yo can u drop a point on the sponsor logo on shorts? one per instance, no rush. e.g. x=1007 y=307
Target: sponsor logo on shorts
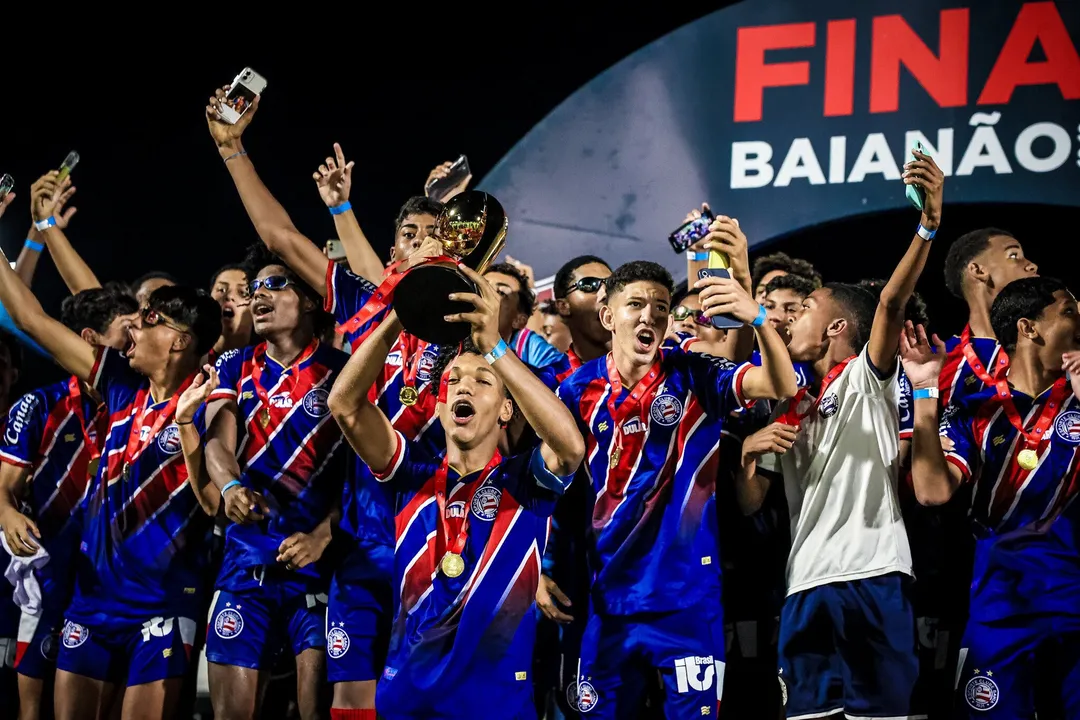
x=982 y=693
x=694 y=673
x=337 y=641
x=829 y=405
x=73 y=635
x=666 y=410
x=229 y=622
x=315 y=403
x=485 y=502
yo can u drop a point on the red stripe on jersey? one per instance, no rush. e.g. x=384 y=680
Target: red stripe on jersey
x=152 y=496
x=950 y=373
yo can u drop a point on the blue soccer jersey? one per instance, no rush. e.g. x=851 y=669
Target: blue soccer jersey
x=652 y=453
x=289 y=449
x=144 y=537
x=463 y=645
x=534 y=350
x=55 y=432
x=958 y=376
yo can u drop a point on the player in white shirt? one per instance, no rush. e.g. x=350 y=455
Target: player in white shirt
x=847 y=634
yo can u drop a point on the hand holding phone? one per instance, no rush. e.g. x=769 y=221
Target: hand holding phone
x=68 y=165
x=915 y=194
x=448 y=179
x=335 y=250
x=7 y=183
x=691 y=231
x=241 y=95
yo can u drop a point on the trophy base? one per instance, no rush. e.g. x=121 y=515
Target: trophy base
x=420 y=300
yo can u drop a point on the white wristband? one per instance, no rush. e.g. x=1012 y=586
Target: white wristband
x=45 y=224
x=925 y=234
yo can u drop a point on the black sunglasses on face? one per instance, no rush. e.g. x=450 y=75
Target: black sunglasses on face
x=274 y=283
x=587 y=285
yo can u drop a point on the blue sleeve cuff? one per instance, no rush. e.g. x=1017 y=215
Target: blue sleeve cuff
x=545 y=478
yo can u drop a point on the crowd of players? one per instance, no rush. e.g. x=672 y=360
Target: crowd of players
x=516 y=527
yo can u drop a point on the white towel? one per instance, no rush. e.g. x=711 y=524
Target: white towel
x=20 y=573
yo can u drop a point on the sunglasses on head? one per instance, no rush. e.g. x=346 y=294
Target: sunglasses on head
x=273 y=283
x=681 y=313
x=587 y=285
x=153 y=318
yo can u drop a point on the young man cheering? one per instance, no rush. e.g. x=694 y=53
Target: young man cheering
x=1016 y=442
x=651 y=414
x=472 y=526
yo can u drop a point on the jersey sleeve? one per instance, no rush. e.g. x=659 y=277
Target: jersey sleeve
x=25 y=428
x=230 y=371
x=346 y=292
x=717 y=383
x=904 y=407
x=539 y=352
x=956 y=427
x=531 y=483
x=867 y=379
x=410 y=467
x=112 y=373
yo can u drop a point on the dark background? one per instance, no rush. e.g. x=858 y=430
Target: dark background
x=401 y=93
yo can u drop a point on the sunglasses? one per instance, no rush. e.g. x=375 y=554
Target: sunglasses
x=274 y=283
x=681 y=313
x=152 y=318
x=587 y=285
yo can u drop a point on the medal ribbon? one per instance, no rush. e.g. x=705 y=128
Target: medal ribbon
x=453 y=532
x=1033 y=439
x=75 y=393
x=631 y=406
x=792 y=416
x=976 y=365
x=259 y=364
x=384 y=296
x=135 y=447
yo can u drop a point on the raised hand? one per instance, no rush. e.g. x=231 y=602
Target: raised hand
x=225 y=135
x=695 y=213
x=923 y=172
x=334 y=178
x=726 y=296
x=7 y=200
x=438 y=173
x=48 y=198
x=485 y=315
x=196 y=394
x=922 y=360
x=727 y=237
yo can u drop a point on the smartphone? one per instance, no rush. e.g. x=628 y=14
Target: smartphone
x=68 y=165
x=915 y=194
x=335 y=250
x=7 y=184
x=439 y=187
x=719 y=266
x=689 y=233
x=245 y=87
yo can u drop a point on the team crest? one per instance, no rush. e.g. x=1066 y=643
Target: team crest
x=485 y=502
x=1067 y=427
x=281 y=400
x=168 y=440
x=456 y=509
x=666 y=410
x=48 y=647
x=982 y=693
x=586 y=697
x=829 y=405
x=315 y=403
x=228 y=624
x=427 y=364
x=73 y=635
x=337 y=642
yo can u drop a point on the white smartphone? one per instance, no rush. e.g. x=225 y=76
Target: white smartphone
x=335 y=250
x=7 y=184
x=245 y=87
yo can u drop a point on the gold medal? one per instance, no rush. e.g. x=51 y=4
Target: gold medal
x=615 y=455
x=92 y=468
x=1027 y=459
x=452 y=565
x=264 y=417
x=408 y=395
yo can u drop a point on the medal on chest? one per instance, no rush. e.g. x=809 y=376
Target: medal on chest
x=408 y=395
x=264 y=417
x=452 y=564
x=1027 y=459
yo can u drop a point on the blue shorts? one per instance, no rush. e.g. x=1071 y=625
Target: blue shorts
x=39 y=644
x=996 y=677
x=621 y=654
x=248 y=628
x=358 y=618
x=838 y=644
x=128 y=654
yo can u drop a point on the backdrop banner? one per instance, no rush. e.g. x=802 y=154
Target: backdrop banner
x=787 y=114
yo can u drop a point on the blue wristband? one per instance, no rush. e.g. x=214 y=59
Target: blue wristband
x=925 y=234
x=761 y=316
x=32 y=245
x=697 y=256
x=341 y=209
x=229 y=486
x=924 y=394
x=496 y=352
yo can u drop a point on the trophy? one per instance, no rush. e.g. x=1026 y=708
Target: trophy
x=472 y=230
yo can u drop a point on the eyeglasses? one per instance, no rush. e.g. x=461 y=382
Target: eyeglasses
x=681 y=313
x=153 y=318
x=586 y=285
x=274 y=283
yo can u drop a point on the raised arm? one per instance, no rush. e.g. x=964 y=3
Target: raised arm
x=363 y=424
x=924 y=173
x=775 y=379
x=935 y=479
x=334 y=181
x=46 y=206
x=271 y=222
x=563 y=447
x=206 y=492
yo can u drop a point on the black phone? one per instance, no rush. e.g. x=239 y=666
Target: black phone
x=689 y=233
x=718 y=267
x=439 y=187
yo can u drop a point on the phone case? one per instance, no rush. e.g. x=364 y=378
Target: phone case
x=245 y=87
x=680 y=245
x=915 y=194
x=438 y=188
x=720 y=322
